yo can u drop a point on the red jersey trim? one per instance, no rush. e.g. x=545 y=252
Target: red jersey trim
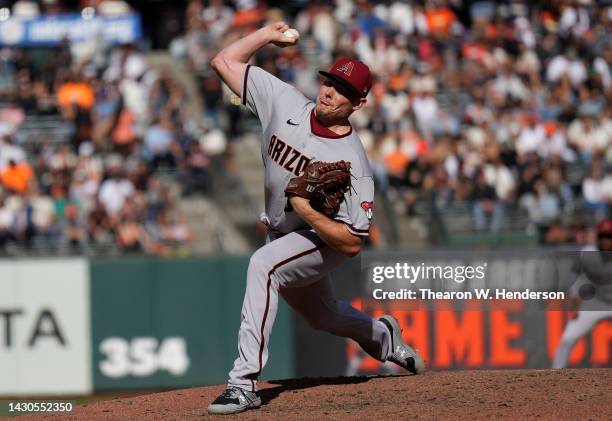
x=244 y=85
x=320 y=130
x=354 y=230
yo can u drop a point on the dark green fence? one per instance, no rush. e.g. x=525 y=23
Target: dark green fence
x=173 y=323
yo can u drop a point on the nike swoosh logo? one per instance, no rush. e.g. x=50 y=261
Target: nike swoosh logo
x=292 y=123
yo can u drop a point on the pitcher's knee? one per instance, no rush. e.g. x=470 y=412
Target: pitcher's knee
x=267 y=267
x=259 y=263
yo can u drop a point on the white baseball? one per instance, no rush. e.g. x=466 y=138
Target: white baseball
x=291 y=33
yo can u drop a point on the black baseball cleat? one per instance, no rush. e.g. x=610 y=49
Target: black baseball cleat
x=233 y=401
x=402 y=354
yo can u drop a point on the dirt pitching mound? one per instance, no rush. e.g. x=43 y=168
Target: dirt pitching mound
x=519 y=394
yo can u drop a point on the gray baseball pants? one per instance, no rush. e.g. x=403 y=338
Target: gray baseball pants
x=296 y=266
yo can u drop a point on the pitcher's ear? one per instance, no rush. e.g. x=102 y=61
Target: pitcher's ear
x=359 y=104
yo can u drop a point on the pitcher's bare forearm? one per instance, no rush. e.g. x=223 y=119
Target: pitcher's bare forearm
x=231 y=62
x=243 y=49
x=334 y=234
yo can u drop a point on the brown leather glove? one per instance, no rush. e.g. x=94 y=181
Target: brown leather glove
x=323 y=184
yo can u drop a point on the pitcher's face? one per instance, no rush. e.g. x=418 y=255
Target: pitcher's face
x=335 y=103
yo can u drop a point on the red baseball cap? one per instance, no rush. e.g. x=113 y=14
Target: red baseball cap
x=351 y=74
x=604 y=227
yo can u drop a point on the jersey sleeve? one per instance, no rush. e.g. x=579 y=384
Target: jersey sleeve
x=261 y=92
x=358 y=207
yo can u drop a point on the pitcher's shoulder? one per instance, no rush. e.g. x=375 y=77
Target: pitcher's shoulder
x=359 y=159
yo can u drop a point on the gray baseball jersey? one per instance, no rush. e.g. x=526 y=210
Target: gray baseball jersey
x=292 y=138
x=295 y=262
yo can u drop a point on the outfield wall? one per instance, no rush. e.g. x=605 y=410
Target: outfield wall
x=481 y=334
x=73 y=326
x=45 y=341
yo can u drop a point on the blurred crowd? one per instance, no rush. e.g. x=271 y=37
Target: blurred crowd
x=488 y=108
x=493 y=108
x=131 y=147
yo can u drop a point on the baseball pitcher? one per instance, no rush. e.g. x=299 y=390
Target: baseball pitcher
x=595 y=265
x=318 y=207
